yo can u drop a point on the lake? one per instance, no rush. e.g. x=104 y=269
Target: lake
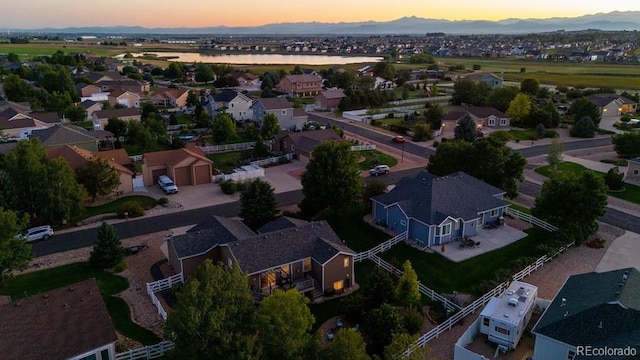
x=264 y=59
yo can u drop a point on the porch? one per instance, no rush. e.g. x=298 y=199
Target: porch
x=486 y=240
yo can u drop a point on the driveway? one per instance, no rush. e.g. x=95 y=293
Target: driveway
x=622 y=253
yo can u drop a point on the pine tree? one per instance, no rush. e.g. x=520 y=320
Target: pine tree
x=108 y=251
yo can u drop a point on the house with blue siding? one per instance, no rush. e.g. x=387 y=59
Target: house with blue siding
x=435 y=210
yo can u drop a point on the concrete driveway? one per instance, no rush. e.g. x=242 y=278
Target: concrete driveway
x=624 y=252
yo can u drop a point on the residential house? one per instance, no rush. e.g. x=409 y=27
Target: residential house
x=100 y=76
x=302 y=143
x=302 y=85
x=286 y=253
x=186 y=166
x=245 y=78
x=77 y=158
x=87 y=90
x=494 y=81
x=71 y=322
x=383 y=84
x=125 y=98
x=134 y=86
x=101 y=118
x=46 y=117
x=91 y=106
x=234 y=103
x=170 y=97
x=435 y=210
x=613 y=104
x=329 y=99
x=504 y=319
x=281 y=108
x=60 y=135
x=488 y=116
x=599 y=310
x=17 y=124
x=633 y=171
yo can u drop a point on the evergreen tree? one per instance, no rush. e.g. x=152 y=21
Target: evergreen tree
x=108 y=251
x=258 y=204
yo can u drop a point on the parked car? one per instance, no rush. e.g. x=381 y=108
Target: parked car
x=37 y=233
x=379 y=170
x=398 y=139
x=167 y=185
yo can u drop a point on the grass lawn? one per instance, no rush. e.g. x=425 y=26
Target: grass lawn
x=147 y=203
x=631 y=192
x=519 y=207
x=617 y=162
x=444 y=276
x=44 y=280
x=389 y=122
x=519 y=135
x=370 y=157
x=226 y=161
x=358 y=235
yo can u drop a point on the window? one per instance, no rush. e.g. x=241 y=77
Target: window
x=457 y=226
x=232 y=104
x=403 y=223
x=571 y=355
x=491 y=122
x=485 y=321
x=105 y=354
x=635 y=171
x=494 y=212
x=283 y=112
x=306 y=265
x=443 y=230
x=504 y=122
x=502 y=330
x=293 y=147
x=345 y=262
x=338 y=285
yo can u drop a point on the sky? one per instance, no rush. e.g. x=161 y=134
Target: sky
x=29 y=14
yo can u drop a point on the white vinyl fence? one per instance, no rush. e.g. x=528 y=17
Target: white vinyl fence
x=147 y=352
x=272 y=160
x=531 y=219
x=161 y=285
x=227 y=147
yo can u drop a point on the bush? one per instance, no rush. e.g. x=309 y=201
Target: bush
x=131 y=209
x=551 y=134
x=540 y=131
x=229 y=187
x=163 y=201
x=421 y=132
x=120 y=266
x=242 y=186
x=584 y=128
x=614 y=179
x=283 y=160
x=412 y=321
x=436 y=143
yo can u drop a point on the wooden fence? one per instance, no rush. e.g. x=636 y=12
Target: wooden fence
x=531 y=219
x=147 y=352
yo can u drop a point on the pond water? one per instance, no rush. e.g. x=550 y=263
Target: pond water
x=263 y=59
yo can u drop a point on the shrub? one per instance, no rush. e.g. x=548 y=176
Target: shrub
x=614 y=179
x=120 y=266
x=283 y=160
x=421 y=132
x=551 y=134
x=436 y=143
x=229 y=187
x=131 y=209
x=584 y=128
x=412 y=321
x=242 y=186
x=163 y=201
x=540 y=131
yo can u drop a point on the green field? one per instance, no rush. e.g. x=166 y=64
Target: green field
x=27 y=51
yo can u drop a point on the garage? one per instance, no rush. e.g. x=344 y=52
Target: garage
x=183 y=176
x=203 y=174
x=155 y=174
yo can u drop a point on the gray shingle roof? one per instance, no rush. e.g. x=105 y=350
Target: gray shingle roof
x=275 y=103
x=431 y=199
x=599 y=309
x=214 y=230
x=281 y=223
x=602 y=100
x=60 y=134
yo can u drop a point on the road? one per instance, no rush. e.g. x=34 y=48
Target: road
x=83 y=238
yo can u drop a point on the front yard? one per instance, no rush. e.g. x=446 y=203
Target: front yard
x=630 y=193
x=371 y=158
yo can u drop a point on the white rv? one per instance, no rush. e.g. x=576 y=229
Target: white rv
x=505 y=318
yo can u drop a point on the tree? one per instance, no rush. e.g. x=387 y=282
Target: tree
x=519 y=108
x=421 y=132
x=567 y=198
x=192 y=98
x=108 y=250
x=627 y=145
x=406 y=291
x=284 y=323
x=214 y=317
x=224 y=128
x=584 y=107
x=614 y=179
x=554 y=153
x=16 y=89
x=204 y=73
x=529 y=86
x=13 y=57
x=501 y=97
x=15 y=254
x=75 y=113
x=465 y=129
x=488 y=159
x=380 y=289
x=434 y=116
x=260 y=149
x=258 y=204
x=385 y=317
x=464 y=92
x=401 y=342
x=174 y=71
x=270 y=126
x=385 y=70
x=332 y=178
x=98 y=177
x=584 y=128
x=347 y=345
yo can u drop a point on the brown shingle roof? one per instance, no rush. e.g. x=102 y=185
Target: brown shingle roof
x=60 y=134
x=307 y=140
x=46 y=117
x=13 y=119
x=302 y=78
x=120 y=156
x=58 y=324
x=275 y=103
x=78 y=157
x=117 y=113
x=173 y=157
x=333 y=94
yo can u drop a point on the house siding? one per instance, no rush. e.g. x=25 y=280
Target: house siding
x=396 y=218
x=379 y=213
x=547 y=348
x=470 y=228
x=190 y=265
x=445 y=238
x=633 y=173
x=334 y=270
x=316 y=272
x=419 y=232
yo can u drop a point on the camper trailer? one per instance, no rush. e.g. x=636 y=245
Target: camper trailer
x=505 y=318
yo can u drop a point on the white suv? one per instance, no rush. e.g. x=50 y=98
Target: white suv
x=167 y=185
x=379 y=170
x=38 y=233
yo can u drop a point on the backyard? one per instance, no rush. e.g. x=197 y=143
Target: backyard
x=630 y=193
x=226 y=161
x=110 y=284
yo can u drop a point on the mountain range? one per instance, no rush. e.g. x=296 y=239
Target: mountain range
x=613 y=21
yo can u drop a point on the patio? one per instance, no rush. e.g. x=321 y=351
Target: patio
x=484 y=241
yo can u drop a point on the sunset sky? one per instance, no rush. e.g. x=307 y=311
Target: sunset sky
x=198 y=13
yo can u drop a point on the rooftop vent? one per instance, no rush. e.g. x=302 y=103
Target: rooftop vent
x=564 y=302
x=70 y=288
x=625 y=276
x=510 y=292
x=506 y=315
x=600 y=325
x=566 y=313
x=513 y=302
x=45 y=296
